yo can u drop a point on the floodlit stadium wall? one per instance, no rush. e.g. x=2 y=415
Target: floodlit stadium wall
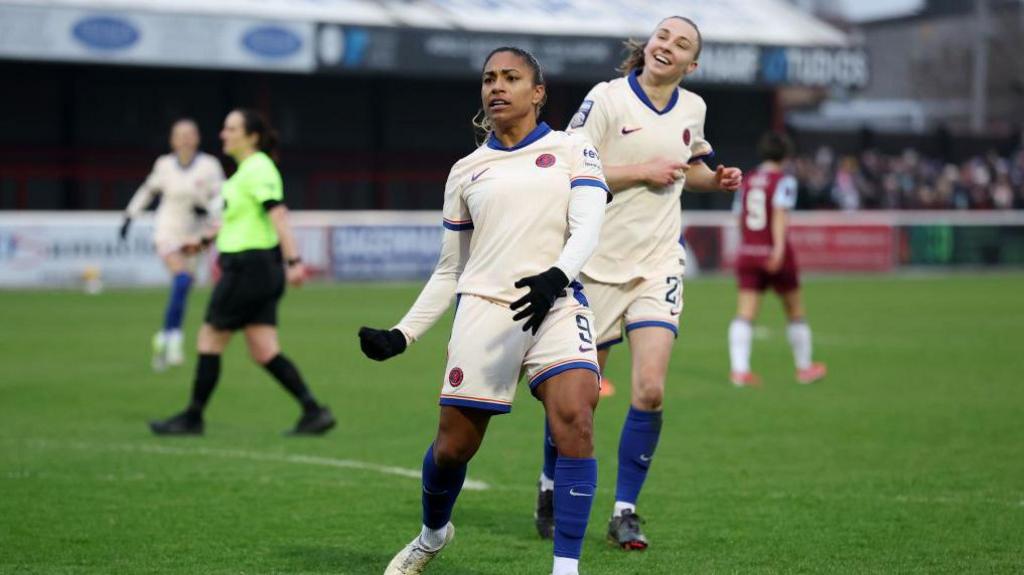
x=61 y=249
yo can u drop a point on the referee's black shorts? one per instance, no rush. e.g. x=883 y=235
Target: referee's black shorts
x=251 y=284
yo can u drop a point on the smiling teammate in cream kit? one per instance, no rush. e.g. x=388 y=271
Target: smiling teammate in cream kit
x=636 y=273
x=650 y=134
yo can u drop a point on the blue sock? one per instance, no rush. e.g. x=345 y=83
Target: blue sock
x=550 y=452
x=175 y=313
x=636 y=449
x=575 y=485
x=441 y=486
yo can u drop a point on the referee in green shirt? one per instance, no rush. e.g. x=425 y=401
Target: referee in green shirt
x=257 y=256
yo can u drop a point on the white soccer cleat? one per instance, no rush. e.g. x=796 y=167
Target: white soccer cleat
x=413 y=558
x=159 y=361
x=175 y=351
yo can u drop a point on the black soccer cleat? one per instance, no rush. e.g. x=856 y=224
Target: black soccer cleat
x=181 y=424
x=544 y=515
x=624 y=531
x=316 y=422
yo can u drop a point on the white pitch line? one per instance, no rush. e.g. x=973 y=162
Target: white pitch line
x=470 y=484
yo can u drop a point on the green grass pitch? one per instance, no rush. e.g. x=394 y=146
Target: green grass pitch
x=909 y=458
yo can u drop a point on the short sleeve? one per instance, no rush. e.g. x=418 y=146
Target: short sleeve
x=585 y=166
x=455 y=211
x=785 y=193
x=265 y=184
x=700 y=149
x=591 y=119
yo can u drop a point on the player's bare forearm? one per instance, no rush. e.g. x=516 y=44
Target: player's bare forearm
x=701 y=178
x=621 y=178
x=279 y=216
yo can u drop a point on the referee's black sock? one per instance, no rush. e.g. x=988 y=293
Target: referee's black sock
x=285 y=372
x=207 y=374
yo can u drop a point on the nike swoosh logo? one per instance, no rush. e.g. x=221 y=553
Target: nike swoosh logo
x=626 y=131
x=585 y=349
x=674 y=312
x=572 y=492
x=478 y=174
x=645 y=458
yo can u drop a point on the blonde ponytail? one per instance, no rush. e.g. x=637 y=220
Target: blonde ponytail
x=634 y=58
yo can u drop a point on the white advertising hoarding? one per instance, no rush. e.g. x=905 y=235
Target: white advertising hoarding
x=116 y=37
x=64 y=249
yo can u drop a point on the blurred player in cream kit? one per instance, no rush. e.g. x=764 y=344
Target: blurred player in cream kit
x=188 y=184
x=522 y=215
x=650 y=134
x=766 y=259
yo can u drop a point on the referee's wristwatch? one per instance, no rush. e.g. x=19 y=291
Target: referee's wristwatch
x=292 y=262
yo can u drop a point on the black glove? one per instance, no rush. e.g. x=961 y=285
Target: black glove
x=545 y=287
x=381 y=344
x=124 y=228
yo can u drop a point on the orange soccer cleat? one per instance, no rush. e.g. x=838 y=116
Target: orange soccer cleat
x=745 y=379
x=816 y=372
x=607 y=389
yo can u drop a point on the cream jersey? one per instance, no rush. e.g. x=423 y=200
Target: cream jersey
x=181 y=190
x=642 y=225
x=511 y=213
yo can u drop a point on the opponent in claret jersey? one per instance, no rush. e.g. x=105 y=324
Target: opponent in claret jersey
x=188 y=183
x=650 y=134
x=522 y=215
x=766 y=259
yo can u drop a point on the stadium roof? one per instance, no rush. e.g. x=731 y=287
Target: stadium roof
x=746 y=41
x=771 y=22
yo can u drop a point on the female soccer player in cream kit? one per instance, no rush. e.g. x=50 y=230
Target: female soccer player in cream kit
x=522 y=215
x=650 y=134
x=188 y=183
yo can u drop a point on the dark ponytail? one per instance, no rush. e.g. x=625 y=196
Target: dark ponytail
x=254 y=123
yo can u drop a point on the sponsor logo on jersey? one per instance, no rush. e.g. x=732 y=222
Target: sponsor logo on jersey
x=272 y=42
x=455 y=377
x=478 y=174
x=105 y=33
x=580 y=118
x=686 y=136
x=627 y=131
x=545 y=161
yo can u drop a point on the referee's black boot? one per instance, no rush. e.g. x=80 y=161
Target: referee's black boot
x=184 y=423
x=315 y=422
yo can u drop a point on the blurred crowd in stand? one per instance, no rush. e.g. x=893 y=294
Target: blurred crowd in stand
x=911 y=181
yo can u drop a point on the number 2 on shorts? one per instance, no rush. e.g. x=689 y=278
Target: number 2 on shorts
x=674 y=294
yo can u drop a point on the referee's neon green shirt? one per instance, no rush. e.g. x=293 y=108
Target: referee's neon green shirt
x=245 y=224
